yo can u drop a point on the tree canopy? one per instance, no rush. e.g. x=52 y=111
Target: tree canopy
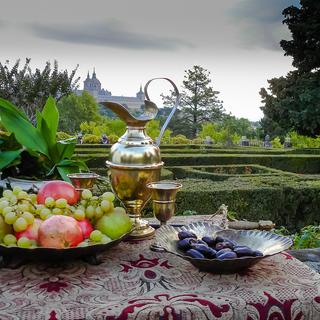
x=75 y=109
x=292 y=103
x=304 y=25
x=199 y=101
x=29 y=89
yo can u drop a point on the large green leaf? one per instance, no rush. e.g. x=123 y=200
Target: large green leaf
x=50 y=115
x=7 y=157
x=70 y=166
x=25 y=133
x=11 y=107
x=65 y=150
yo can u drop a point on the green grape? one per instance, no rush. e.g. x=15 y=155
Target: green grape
x=22 y=195
x=9 y=239
x=57 y=211
x=83 y=244
x=61 y=203
x=4 y=203
x=45 y=213
x=20 y=224
x=108 y=196
x=10 y=217
x=98 y=212
x=33 y=198
x=24 y=242
x=90 y=211
x=86 y=194
x=79 y=214
x=7 y=194
x=6 y=210
x=49 y=202
x=84 y=202
x=23 y=206
x=105 y=205
x=16 y=190
x=13 y=200
x=119 y=210
x=39 y=207
x=105 y=239
x=94 y=198
x=34 y=243
x=29 y=217
x=96 y=235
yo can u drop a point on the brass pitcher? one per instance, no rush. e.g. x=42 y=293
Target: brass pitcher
x=135 y=160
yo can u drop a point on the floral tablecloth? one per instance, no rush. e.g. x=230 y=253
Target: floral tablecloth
x=136 y=283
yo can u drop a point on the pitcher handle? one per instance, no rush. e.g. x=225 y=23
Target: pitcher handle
x=176 y=104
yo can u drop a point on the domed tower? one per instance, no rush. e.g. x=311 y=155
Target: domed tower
x=140 y=95
x=86 y=83
x=96 y=84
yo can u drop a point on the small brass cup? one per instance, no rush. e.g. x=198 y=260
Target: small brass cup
x=163 y=195
x=83 y=180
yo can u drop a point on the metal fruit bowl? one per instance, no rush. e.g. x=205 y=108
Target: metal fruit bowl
x=44 y=254
x=266 y=242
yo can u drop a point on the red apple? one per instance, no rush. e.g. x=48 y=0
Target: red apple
x=31 y=232
x=60 y=232
x=57 y=189
x=86 y=228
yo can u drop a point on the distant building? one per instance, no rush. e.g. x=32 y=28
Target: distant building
x=93 y=86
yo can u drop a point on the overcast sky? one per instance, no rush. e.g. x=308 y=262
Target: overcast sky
x=129 y=42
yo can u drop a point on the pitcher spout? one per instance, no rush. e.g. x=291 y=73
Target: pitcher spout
x=150 y=111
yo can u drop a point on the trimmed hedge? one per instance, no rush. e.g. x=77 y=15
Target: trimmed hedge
x=217 y=173
x=302 y=164
x=288 y=201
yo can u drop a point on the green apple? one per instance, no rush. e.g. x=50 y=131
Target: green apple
x=114 y=224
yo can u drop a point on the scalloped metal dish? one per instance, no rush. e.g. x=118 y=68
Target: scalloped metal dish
x=268 y=243
x=53 y=254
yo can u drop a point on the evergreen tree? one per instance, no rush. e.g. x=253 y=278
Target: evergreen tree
x=199 y=102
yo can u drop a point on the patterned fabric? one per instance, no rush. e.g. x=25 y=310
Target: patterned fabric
x=136 y=283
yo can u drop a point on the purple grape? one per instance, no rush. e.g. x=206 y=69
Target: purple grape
x=243 y=251
x=205 y=250
x=257 y=253
x=219 y=239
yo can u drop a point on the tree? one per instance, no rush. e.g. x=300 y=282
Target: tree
x=75 y=109
x=30 y=89
x=304 y=24
x=199 y=102
x=292 y=103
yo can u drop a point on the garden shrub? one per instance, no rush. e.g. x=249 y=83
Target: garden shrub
x=113 y=138
x=91 y=138
x=180 y=139
x=63 y=135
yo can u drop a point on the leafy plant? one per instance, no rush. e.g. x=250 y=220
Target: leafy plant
x=307 y=237
x=37 y=143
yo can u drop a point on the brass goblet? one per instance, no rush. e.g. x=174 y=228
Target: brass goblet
x=163 y=195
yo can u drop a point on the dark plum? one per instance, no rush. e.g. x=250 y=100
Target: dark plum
x=222 y=251
x=257 y=253
x=210 y=241
x=243 y=251
x=227 y=244
x=205 y=250
x=222 y=245
x=186 y=234
x=184 y=244
x=227 y=255
x=195 y=254
x=219 y=239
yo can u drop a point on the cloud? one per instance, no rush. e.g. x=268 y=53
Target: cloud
x=109 y=34
x=259 y=22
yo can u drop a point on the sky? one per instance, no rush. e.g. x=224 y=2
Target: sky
x=129 y=42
